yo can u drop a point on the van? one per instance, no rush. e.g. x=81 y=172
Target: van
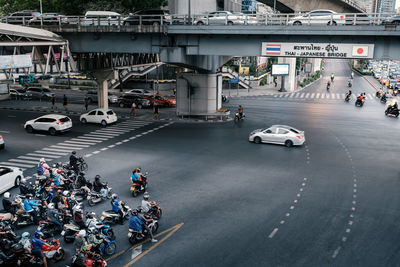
x=101 y=18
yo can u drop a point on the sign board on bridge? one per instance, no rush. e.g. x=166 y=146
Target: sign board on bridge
x=234 y=80
x=318 y=50
x=280 y=69
x=16 y=61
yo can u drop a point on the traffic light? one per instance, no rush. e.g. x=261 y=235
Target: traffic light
x=26 y=79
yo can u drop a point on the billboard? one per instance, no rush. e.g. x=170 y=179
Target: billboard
x=280 y=69
x=16 y=61
x=318 y=50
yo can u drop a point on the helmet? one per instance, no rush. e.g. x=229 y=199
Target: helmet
x=146 y=195
x=54 y=166
x=114 y=196
x=7 y=195
x=59 y=171
x=38 y=234
x=240 y=106
x=65 y=193
x=73 y=152
x=97 y=177
x=23 y=180
x=59 y=191
x=82 y=173
x=91 y=214
x=139 y=209
x=134 y=212
x=138 y=169
x=51 y=206
x=25 y=235
x=42 y=160
x=82 y=233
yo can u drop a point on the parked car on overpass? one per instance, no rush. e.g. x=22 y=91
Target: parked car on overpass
x=21 y=17
x=101 y=18
x=220 y=18
x=148 y=17
x=322 y=16
x=48 y=19
x=392 y=20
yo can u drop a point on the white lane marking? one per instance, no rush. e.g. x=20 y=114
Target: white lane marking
x=322 y=96
x=51 y=152
x=295 y=201
x=350 y=222
x=112 y=131
x=59 y=149
x=336 y=252
x=291 y=207
x=302 y=95
x=88 y=155
x=139 y=135
x=312 y=95
x=317 y=95
x=24 y=161
x=275 y=95
x=106 y=134
x=92 y=137
x=63 y=147
x=343 y=95
x=126 y=140
x=37 y=158
x=131 y=138
x=5 y=132
x=17 y=164
x=295 y=95
x=80 y=143
x=136 y=252
x=118 y=143
x=96 y=152
x=291 y=95
x=348 y=230
x=111 y=146
x=40 y=155
x=287 y=214
x=282 y=222
x=103 y=149
x=306 y=96
x=298 y=195
x=271 y=235
x=344 y=239
x=73 y=145
x=40 y=135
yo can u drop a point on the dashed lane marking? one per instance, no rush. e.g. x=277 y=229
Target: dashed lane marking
x=273 y=233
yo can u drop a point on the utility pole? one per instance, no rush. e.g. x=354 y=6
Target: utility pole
x=41 y=7
x=189 y=17
x=274 y=6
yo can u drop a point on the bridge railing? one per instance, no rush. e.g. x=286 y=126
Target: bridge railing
x=158 y=22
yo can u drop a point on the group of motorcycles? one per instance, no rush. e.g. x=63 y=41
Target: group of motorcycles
x=391 y=110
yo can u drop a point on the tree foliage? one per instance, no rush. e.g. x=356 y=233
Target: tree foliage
x=79 y=7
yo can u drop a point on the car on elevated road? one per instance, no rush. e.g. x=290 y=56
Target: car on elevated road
x=322 y=17
x=278 y=134
x=223 y=18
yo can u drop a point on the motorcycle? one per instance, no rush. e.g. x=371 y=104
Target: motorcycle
x=155 y=211
x=328 y=87
x=383 y=99
x=28 y=218
x=89 y=259
x=350 y=84
x=95 y=226
x=49 y=229
x=54 y=251
x=347 y=98
x=137 y=237
x=359 y=103
x=225 y=99
x=96 y=197
x=390 y=111
x=136 y=187
x=112 y=217
x=79 y=194
x=332 y=78
x=70 y=231
x=238 y=117
x=101 y=243
x=82 y=165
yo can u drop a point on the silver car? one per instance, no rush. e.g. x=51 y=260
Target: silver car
x=220 y=18
x=278 y=134
x=321 y=17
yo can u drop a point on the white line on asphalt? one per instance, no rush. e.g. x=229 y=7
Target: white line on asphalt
x=111 y=146
x=317 y=95
x=328 y=95
x=312 y=95
x=348 y=230
x=353 y=208
x=136 y=252
x=64 y=148
x=106 y=133
x=5 y=132
x=282 y=222
x=104 y=148
x=344 y=239
x=73 y=145
x=350 y=222
x=291 y=207
x=298 y=195
x=291 y=95
x=59 y=150
x=296 y=94
x=281 y=96
x=118 y=143
x=275 y=95
x=138 y=135
x=132 y=137
x=271 y=235
x=295 y=201
x=24 y=161
x=336 y=252
x=41 y=155
x=287 y=214
x=80 y=142
x=40 y=135
x=17 y=164
x=113 y=131
x=32 y=158
x=51 y=152
x=126 y=140
x=302 y=95
x=307 y=95
x=96 y=135
x=322 y=96
x=96 y=152
x=301 y=189
x=305 y=179
x=92 y=137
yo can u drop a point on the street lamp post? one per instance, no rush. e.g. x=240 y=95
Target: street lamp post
x=274 y=6
x=41 y=7
x=189 y=18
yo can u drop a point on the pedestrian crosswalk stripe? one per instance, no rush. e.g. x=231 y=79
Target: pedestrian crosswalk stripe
x=312 y=95
x=92 y=136
x=322 y=95
x=63 y=147
x=291 y=95
x=275 y=95
x=281 y=95
x=114 y=130
x=80 y=143
x=306 y=96
x=44 y=154
x=58 y=150
x=37 y=158
x=105 y=133
x=52 y=152
x=328 y=95
x=302 y=95
x=17 y=164
x=23 y=161
x=73 y=145
x=317 y=95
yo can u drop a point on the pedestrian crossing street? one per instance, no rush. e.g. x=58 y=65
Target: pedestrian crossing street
x=64 y=148
x=328 y=96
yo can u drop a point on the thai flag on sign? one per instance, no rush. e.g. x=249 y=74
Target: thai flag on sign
x=360 y=51
x=273 y=49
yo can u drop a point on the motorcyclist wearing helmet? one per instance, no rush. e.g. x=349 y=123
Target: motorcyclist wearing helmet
x=26 y=243
x=145 y=221
x=45 y=169
x=29 y=203
x=57 y=179
x=82 y=182
x=115 y=205
x=78 y=218
x=240 y=111
x=80 y=241
x=332 y=76
x=52 y=214
x=98 y=186
x=25 y=188
x=348 y=94
x=328 y=85
x=145 y=202
x=8 y=205
x=136 y=177
x=37 y=243
x=73 y=162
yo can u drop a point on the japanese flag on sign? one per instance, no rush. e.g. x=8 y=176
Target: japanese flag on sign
x=360 y=51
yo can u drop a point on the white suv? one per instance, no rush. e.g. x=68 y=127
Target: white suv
x=326 y=17
x=52 y=123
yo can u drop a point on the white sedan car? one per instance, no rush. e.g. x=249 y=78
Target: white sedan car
x=278 y=134
x=99 y=115
x=324 y=17
x=52 y=123
x=2 y=145
x=10 y=177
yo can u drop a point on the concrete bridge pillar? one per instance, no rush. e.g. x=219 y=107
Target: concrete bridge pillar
x=198 y=94
x=102 y=77
x=316 y=64
x=290 y=80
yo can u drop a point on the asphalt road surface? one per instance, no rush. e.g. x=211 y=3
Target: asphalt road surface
x=228 y=202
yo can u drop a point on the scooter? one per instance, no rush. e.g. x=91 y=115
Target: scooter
x=383 y=99
x=49 y=229
x=155 y=210
x=54 y=251
x=350 y=84
x=96 y=197
x=390 y=111
x=95 y=226
x=112 y=217
x=88 y=259
x=137 y=237
x=70 y=231
x=347 y=98
x=238 y=117
x=103 y=244
x=137 y=188
x=359 y=103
